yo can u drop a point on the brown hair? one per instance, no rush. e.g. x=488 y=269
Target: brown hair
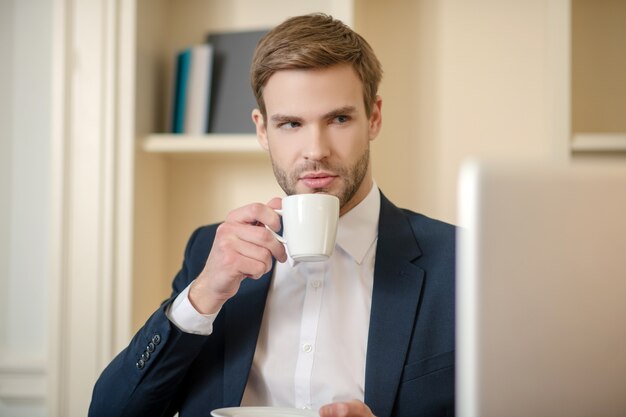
x=314 y=41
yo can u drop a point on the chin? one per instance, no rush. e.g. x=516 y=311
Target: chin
x=323 y=191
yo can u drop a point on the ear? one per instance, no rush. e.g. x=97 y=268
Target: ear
x=261 y=130
x=376 y=118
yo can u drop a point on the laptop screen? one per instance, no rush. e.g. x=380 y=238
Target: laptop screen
x=541 y=291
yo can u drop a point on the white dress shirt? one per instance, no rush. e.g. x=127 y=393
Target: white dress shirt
x=313 y=340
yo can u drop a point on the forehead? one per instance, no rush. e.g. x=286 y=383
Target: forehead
x=312 y=91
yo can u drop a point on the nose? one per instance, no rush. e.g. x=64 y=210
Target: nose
x=317 y=144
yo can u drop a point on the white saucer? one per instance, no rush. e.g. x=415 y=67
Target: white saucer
x=263 y=412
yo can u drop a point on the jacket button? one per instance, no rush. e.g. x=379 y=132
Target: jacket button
x=145 y=356
x=150 y=347
x=140 y=364
x=156 y=339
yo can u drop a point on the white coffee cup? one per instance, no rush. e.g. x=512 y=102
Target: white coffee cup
x=309 y=226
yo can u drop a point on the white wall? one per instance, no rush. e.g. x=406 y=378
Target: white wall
x=25 y=47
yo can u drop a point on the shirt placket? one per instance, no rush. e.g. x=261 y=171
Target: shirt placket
x=314 y=274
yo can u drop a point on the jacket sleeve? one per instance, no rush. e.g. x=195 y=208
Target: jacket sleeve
x=143 y=379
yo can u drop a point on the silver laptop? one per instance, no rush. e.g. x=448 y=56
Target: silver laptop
x=541 y=291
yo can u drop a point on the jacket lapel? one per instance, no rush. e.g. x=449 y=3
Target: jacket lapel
x=395 y=299
x=242 y=322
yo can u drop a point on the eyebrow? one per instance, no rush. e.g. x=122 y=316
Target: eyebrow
x=341 y=111
x=282 y=118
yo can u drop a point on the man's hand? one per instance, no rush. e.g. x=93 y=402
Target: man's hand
x=243 y=247
x=354 y=408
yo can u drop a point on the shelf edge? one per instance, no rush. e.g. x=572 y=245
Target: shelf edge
x=599 y=142
x=214 y=143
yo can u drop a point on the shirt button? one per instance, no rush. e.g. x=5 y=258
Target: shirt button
x=307 y=348
x=316 y=284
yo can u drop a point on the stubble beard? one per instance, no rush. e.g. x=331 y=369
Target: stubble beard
x=352 y=176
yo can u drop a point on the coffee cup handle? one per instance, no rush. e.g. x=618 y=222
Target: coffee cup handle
x=276 y=235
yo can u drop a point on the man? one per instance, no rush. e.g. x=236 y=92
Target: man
x=368 y=332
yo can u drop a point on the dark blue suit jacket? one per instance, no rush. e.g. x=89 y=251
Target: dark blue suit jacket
x=410 y=353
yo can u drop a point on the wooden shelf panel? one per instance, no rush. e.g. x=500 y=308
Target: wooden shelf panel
x=599 y=142
x=213 y=143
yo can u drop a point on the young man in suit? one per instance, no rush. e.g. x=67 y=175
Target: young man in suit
x=368 y=332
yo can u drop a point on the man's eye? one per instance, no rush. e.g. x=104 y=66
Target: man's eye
x=289 y=125
x=342 y=119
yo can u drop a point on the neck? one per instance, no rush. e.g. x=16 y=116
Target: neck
x=362 y=192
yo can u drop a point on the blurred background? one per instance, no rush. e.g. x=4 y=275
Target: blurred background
x=98 y=200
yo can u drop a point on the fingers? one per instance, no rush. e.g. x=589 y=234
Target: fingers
x=354 y=408
x=236 y=236
x=256 y=213
x=242 y=248
x=250 y=247
x=245 y=223
x=246 y=259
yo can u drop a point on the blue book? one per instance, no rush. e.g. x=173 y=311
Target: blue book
x=180 y=91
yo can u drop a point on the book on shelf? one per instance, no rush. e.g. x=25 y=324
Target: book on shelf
x=192 y=96
x=212 y=92
x=232 y=97
x=180 y=88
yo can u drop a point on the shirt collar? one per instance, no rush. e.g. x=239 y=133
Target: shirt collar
x=358 y=228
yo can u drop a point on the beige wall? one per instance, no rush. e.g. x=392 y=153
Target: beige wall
x=405 y=156
x=462 y=78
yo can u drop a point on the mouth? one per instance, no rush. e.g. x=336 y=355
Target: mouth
x=318 y=179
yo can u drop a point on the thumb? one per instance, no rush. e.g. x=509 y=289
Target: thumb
x=275 y=203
